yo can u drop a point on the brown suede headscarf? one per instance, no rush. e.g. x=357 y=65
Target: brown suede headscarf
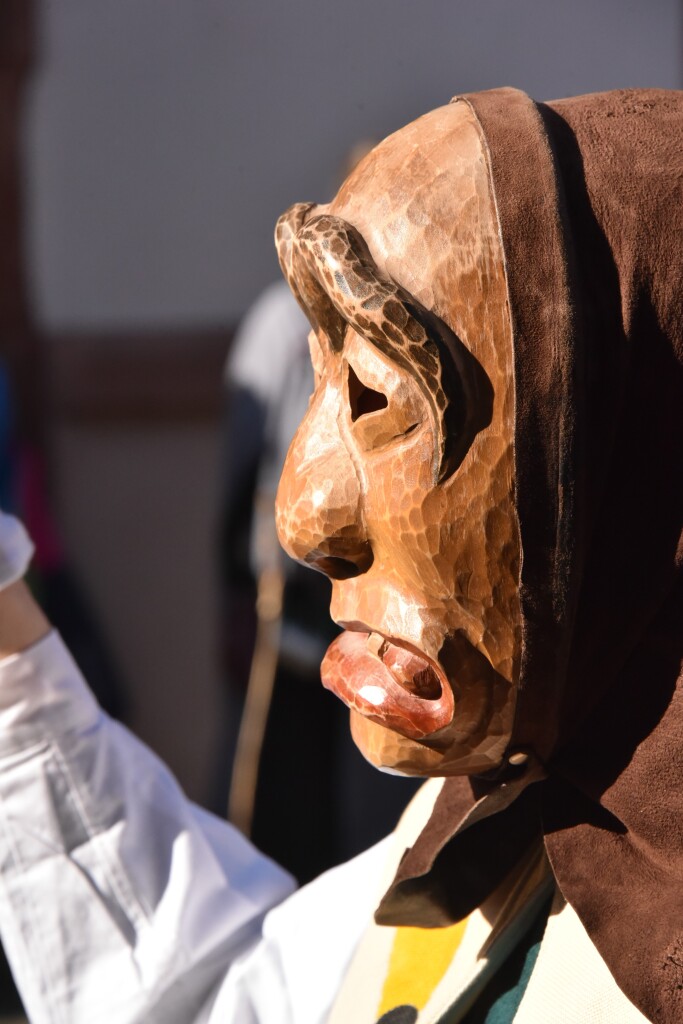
x=589 y=194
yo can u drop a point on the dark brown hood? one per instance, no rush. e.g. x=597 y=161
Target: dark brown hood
x=589 y=196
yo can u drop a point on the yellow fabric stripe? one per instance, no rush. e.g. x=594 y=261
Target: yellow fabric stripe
x=417 y=963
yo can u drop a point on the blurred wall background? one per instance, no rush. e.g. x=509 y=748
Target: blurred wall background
x=166 y=136
x=162 y=139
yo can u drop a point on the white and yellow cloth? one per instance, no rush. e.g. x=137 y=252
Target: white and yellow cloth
x=434 y=976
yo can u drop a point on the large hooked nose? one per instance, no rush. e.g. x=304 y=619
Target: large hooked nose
x=318 y=505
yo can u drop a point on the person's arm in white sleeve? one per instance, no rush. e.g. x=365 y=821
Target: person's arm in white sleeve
x=119 y=900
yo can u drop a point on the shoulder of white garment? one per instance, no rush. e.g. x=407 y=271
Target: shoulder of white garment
x=293 y=975
x=273 y=332
x=294 y=972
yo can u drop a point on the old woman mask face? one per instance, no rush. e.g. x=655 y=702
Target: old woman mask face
x=399 y=482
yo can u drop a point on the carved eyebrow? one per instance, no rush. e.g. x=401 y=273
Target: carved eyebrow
x=316 y=303
x=330 y=270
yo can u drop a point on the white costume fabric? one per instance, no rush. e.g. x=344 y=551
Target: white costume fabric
x=16 y=550
x=122 y=902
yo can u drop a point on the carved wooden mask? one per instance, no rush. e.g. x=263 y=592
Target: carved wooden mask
x=399 y=482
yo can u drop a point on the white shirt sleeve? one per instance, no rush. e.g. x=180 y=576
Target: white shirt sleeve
x=120 y=901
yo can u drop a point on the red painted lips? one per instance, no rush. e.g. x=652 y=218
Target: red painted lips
x=388 y=683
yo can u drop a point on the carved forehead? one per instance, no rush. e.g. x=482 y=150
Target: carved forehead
x=422 y=201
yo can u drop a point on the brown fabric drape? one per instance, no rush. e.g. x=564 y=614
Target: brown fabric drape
x=590 y=204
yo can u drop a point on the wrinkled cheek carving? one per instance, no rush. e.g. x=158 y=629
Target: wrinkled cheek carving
x=388 y=684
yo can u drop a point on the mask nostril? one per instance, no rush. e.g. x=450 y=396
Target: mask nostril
x=338 y=568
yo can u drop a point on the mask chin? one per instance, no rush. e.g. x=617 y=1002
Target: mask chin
x=391 y=752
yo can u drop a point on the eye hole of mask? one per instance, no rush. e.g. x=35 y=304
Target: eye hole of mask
x=362 y=399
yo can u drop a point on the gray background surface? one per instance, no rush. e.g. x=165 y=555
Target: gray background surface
x=165 y=136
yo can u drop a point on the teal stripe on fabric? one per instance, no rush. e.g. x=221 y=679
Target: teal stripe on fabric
x=500 y=1000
